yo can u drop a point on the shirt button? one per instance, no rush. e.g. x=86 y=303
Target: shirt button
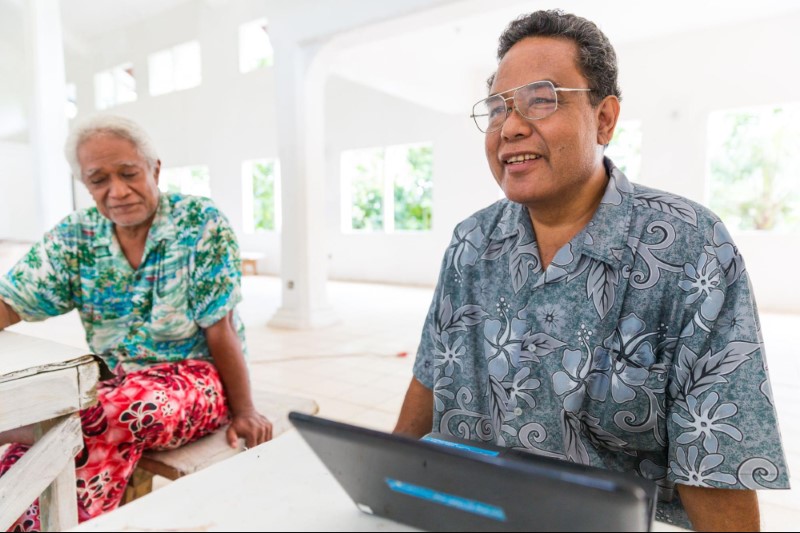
x=518 y=411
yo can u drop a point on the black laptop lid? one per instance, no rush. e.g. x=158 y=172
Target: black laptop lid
x=457 y=486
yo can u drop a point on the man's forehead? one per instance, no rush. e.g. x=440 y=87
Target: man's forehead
x=535 y=59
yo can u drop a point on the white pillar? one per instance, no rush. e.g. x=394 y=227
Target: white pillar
x=301 y=71
x=48 y=121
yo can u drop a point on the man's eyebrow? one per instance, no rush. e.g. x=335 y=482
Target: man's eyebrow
x=555 y=84
x=93 y=171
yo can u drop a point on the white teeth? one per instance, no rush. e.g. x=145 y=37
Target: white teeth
x=521 y=158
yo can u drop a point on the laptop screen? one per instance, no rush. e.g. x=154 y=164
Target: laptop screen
x=442 y=483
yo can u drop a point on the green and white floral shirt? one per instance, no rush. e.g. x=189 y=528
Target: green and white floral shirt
x=188 y=280
x=638 y=349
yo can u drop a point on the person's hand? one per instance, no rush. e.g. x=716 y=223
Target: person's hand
x=250 y=426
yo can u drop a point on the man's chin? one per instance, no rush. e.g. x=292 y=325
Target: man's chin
x=128 y=221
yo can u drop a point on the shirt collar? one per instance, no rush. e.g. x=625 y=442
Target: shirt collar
x=163 y=228
x=604 y=238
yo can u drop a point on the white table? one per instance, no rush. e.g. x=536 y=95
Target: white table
x=278 y=486
x=46 y=384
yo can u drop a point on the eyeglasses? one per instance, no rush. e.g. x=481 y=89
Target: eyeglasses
x=533 y=101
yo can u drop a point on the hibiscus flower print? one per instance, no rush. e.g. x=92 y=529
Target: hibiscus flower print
x=520 y=388
x=465 y=247
x=705 y=420
x=696 y=475
x=632 y=355
x=578 y=379
x=450 y=353
x=703 y=281
x=140 y=415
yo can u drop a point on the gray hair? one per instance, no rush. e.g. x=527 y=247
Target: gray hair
x=597 y=59
x=109 y=124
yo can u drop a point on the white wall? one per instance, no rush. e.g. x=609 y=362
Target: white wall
x=15 y=68
x=18 y=202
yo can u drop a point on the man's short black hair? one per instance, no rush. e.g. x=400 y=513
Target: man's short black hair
x=596 y=57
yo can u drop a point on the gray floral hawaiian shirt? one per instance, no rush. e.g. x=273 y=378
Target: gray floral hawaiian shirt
x=638 y=349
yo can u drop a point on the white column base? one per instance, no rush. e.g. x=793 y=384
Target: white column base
x=291 y=319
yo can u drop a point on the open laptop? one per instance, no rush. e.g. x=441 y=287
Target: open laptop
x=447 y=484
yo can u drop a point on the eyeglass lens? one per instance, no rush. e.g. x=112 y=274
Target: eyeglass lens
x=533 y=101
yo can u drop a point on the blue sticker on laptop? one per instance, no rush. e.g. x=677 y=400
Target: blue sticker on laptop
x=448 y=500
x=462 y=447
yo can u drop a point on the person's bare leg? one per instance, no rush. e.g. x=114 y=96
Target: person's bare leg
x=23 y=435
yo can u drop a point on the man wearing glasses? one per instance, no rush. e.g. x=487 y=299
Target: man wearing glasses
x=589 y=319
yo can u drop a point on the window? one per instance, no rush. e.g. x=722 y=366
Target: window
x=754 y=164
x=186 y=180
x=255 y=48
x=261 y=195
x=625 y=149
x=388 y=189
x=114 y=86
x=175 y=69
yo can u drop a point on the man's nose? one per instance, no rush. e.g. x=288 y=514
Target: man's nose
x=118 y=189
x=515 y=125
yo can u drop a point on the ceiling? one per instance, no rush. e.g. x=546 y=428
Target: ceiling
x=422 y=65
x=84 y=19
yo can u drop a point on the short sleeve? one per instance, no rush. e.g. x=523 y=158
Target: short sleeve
x=216 y=272
x=424 y=364
x=721 y=421
x=39 y=285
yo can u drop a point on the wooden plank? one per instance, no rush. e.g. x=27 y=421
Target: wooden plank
x=211 y=449
x=37 y=469
x=58 y=505
x=140 y=484
x=21 y=355
x=37 y=398
x=88 y=375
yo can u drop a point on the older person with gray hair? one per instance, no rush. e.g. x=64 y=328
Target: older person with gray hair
x=590 y=319
x=156 y=280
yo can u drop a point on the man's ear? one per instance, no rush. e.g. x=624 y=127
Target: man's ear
x=157 y=171
x=607 y=115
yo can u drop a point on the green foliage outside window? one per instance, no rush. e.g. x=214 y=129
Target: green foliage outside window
x=413 y=192
x=264 y=196
x=402 y=175
x=754 y=168
x=367 y=189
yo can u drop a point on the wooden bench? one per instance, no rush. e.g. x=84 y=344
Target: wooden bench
x=174 y=464
x=250 y=262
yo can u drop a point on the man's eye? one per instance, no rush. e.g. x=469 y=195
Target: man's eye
x=496 y=111
x=97 y=181
x=539 y=101
x=128 y=175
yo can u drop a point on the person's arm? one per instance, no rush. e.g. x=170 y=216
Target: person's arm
x=721 y=509
x=8 y=317
x=416 y=416
x=226 y=350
